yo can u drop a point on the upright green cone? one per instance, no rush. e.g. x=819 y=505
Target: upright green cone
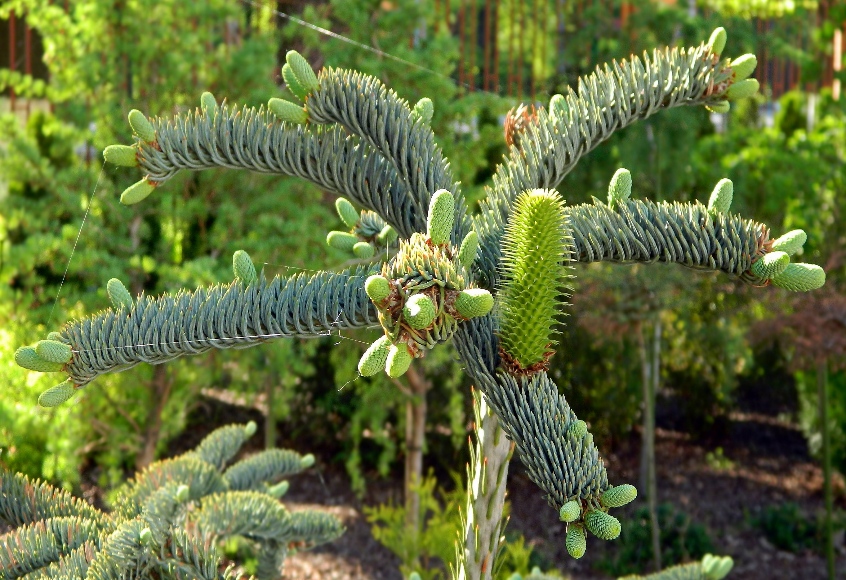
x=602 y=525
x=119 y=295
x=243 y=267
x=576 y=542
x=620 y=188
x=303 y=72
x=441 y=217
x=720 y=200
x=141 y=126
x=347 y=212
x=57 y=395
x=618 y=496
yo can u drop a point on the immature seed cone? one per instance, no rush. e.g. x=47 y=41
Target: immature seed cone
x=570 y=511
x=243 y=267
x=145 y=536
x=441 y=217
x=208 y=104
x=743 y=66
x=721 y=197
x=602 y=525
x=558 y=107
x=791 y=242
x=307 y=461
x=387 y=236
x=279 y=489
x=722 y=107
x=122 y=155
x=770 y=265
x=137 y=192
x=424 y=109
x=141 y=126
x=577 y=430
x=576 y=542
x=399 y=359
x=742 y=89
x=363 y=250
x=26 y=357
x=118 y=294
x=717 y=42
x=618 y=496
x=183 y=492
x=292 y=83
x=287 y=111
x=474 y=302
x=620 y=188
x=419 y=311
x=377 y=287
x=342 y=240
x=53 y=351
x=250 y=428
x=373 y=359
x=303 y=71
x=347 y=211
x=55 y=396
x=469 y=249
x=800 y=277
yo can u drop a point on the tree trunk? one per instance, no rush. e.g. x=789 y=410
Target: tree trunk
x=161 y=393
x=822 y=404
x=415 y=432
x=647 y=465
x=486 y=474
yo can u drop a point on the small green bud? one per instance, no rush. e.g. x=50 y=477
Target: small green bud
x=243 y=267
x=348 y=213
x=800 y=277
x=303 y=71
x=118 y=294
x=717 y=42
x=145 y=536
x=141 y=126
x=770 y=265
x=137 y=192
x=279 y=489
x=743 y=66
x=55 y=396
x=424 y=109
x=620 y=188
x=208 y=104
x=377 y=287
x=602 y=525
x=721 y=107
x=709 y=562
x=53 y=351
x=441 y=217
x=26 y=357
x=469 y=249
x=183 y=492
x=570 y=511
x=122 y=155
x=287 y=111
x=558 y=107
x=55 y=336
x=398 y=361
x=374 y=358
x=293 y=84
x=307 y=461
x=576 y=542
x=618 y=496
x=363 y=250
x=577 y=430
x=722 y=569
x=250 y=429
x=474 y=302
x=387 y=236
x=791 y=242
x=742 y=89
x=721 y=197
x=419 y=311
x=342 y=240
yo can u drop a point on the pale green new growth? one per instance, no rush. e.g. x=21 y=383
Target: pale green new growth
x=141 y=126
x=423 y=110
x=208 y=104
x=119 y=296
x=716 y=567
x=717 y=41
x=137 y=192
x=576 y=542
x=342 y=240
x=743 y=66
x=292 y=83
x=243 y=267
x=363 y=250
x=387 y=235
x=53 y=351
x=302 y=71
x=122 y=155
x=577 y=430
x=57 y=395
x=722 y=107
x=287 y=111
x=346 y=211
x=377 y=287
x=441 y=217
x=742 y=89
